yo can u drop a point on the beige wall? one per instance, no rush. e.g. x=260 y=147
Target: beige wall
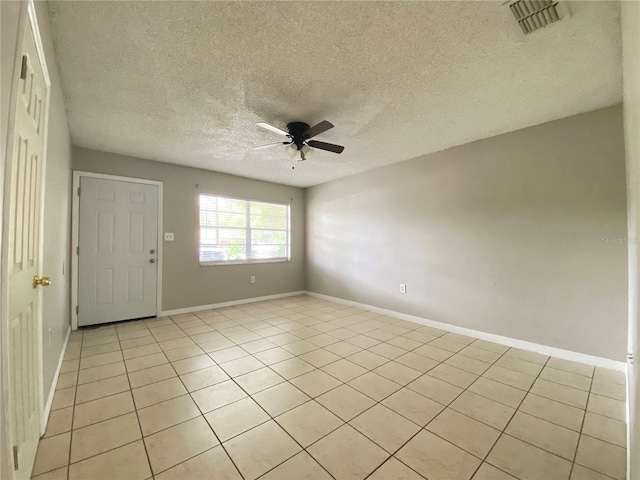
x=57 y=180
x=185 y=283
x=503 y=235
x=631 y=74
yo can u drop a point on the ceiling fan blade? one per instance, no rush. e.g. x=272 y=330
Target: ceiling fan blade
x=269 y=145
x=323 y=126
x=271 y=128
x=329 y=147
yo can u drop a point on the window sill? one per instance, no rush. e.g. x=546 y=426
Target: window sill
x=242 y=262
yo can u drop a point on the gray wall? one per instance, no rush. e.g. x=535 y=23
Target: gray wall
x=503 y=235
x=185 y=283
x=57 y=214
x=57 y=196
x=631 y=75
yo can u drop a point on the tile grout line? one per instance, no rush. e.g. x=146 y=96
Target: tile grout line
x=440 y=362
x=271 y=418
x=516 y=410
x=73 y=411
x=96 y=423
x=107 y=419
x=140 y=426
x=249 y=396
x=135 y=407
x=208 y=424
x=323 y=347
x=370 y=370
x=581 y=434
x=222 y=406
x=310 y=400
x=449 y=406
x=315 y=368
x=392 y=455
x=584 y=417
x=424 y=427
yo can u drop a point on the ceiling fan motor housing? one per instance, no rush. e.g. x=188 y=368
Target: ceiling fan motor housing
x=297 y=131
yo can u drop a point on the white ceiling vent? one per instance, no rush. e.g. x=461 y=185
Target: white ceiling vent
x=535 y=14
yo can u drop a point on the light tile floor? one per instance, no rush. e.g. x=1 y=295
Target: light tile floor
x=301 y=388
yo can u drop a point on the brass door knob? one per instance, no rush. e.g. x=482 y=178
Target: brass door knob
x=44 y=281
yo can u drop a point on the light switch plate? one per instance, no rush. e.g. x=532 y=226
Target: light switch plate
x=168 y=237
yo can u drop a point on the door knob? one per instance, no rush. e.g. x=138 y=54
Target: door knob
x=152 y=251
x=153 y=260
x=44 y=281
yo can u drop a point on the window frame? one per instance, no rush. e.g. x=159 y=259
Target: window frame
x=248 y=229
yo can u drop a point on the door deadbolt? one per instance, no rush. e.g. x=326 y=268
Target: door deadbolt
x=152 y=251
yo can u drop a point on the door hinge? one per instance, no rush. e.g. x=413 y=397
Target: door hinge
x=23 y=68
x=630 y=358
x=78 y=191
x=77 y=250
x=77 y=309
x=15 y=457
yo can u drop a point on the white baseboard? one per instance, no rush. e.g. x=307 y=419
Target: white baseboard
x=52 y=390
x=507 y=341
x=232 y=303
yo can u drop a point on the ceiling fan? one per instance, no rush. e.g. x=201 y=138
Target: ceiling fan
x=299 y=144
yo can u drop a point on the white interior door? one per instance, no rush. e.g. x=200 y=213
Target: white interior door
x=23 y=250
x=118 y=250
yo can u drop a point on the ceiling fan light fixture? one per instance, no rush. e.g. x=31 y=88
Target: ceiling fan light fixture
x=292 y=151
x=299 y=154
x=307 y=151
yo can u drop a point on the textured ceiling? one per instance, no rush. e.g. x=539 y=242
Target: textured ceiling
x=185 y=82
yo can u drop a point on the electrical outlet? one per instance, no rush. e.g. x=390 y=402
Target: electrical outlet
x=168 y=237
x=253 y=279
x=403 y=288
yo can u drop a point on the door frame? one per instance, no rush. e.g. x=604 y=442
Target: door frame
x=75 y=226
x=27 y=13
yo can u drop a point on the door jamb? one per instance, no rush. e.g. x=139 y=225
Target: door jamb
x=27 y=12
x=75 y=224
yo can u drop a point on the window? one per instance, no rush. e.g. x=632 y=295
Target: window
x=233 y=230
